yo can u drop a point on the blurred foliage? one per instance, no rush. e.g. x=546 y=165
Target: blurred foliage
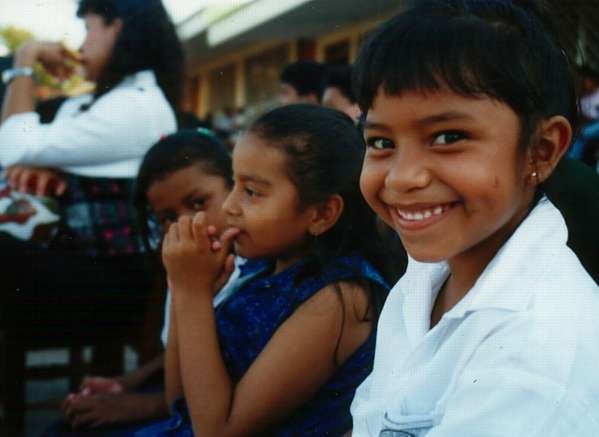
x=13 y=37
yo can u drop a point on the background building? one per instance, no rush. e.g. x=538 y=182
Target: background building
x=235 y=54
x=237 y=51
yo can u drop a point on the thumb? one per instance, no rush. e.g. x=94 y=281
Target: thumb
x=226 y=239
x=229 y=264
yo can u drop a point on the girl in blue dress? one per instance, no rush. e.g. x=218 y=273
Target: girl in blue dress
x=284 y=354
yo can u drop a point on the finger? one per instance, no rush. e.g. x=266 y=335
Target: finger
x=80 y=404
x=10 y=173
x=23 y=180
x=76 y=406
x=83 y=419
x=216 y=245
x=41 y=185
x=185 y=231
x=229 y=264
x=69 y=53
x=91 y=382
x=199 y=225
x=13 y=178
x=225 y=244
x=228 y=268
x=67 y=402
x=227 y=239
x=172 y=235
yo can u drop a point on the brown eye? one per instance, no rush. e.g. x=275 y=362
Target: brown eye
x=378 y=143
x=198 y=204
x=448 y=138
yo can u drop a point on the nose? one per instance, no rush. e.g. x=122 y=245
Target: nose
x=409 y=170
x=231 y=205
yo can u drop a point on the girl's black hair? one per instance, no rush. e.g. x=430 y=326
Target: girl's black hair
x=324 y=152
x=175 y=152
x=147 y=41
x=507 y=50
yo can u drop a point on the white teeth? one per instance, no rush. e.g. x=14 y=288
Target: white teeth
x=421 y=215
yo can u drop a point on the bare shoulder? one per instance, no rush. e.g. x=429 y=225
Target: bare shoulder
x=347 y=305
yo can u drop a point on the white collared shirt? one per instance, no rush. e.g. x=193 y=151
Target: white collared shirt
x=517 y=356
x=108 y=140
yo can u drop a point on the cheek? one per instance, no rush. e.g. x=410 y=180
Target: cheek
x=216 y=216
x=371 y=183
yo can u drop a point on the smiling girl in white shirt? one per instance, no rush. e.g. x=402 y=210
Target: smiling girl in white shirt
x=469 y=107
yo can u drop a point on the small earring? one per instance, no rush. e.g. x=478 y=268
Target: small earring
x=533 y=174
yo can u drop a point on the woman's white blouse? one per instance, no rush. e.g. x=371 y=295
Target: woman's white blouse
x=108 y=140
x=517 y=356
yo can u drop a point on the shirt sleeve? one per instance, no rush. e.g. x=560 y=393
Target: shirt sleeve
x=118 y=126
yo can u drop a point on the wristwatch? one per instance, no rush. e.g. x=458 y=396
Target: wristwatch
x=12 y=73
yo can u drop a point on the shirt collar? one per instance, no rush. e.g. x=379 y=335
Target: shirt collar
x=140 y=79
x=508 y=281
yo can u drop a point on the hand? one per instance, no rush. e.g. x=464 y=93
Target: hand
x=194 y=257
x=98 y=384
x=38 y=181
x=113 y=408
x=55 y=57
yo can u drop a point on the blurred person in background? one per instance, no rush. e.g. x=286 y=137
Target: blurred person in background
x=301 y=82
x=338 y=93
x=586 y=146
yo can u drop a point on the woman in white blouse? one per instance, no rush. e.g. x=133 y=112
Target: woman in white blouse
x=93 y=273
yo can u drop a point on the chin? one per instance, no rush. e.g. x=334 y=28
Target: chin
x=425 y=256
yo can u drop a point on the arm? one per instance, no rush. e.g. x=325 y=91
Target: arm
x=117 y=128
x=295 y=363
x=136 y=378
x=298 y=359
x=20 y=95
x=173 y=383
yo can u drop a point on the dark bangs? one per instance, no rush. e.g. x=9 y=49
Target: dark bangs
x=473 y=48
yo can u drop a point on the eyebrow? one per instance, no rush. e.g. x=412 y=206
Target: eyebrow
x=431 y=119
x=254 y=178
x=193 y=195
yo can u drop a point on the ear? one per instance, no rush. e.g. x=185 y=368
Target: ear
x=553 y=139
x=116 y=26
x=325 y=215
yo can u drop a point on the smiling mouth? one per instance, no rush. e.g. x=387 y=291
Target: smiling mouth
x=416 y=218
